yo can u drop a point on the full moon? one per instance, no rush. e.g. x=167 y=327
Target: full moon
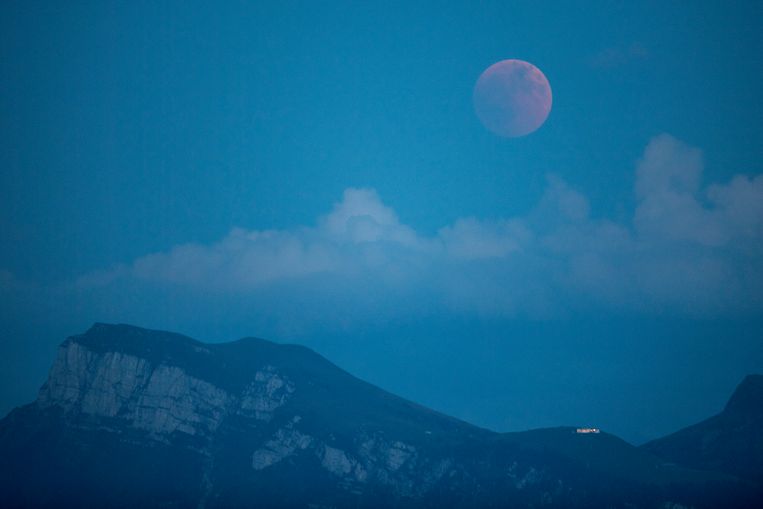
x=512 y=98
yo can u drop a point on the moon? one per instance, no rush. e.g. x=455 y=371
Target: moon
x=512 y=98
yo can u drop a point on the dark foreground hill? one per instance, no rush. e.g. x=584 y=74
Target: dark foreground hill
x=137 y=418
x=731 y=441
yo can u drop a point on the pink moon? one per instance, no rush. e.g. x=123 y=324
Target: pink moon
x=512 y=98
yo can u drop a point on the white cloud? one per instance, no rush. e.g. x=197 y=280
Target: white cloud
x=471 y=239
x=687 y=249
x=362 y=217
x=667 y=184
x=673 y=207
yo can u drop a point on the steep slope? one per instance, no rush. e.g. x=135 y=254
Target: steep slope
x=131 y=417
x=731 y=441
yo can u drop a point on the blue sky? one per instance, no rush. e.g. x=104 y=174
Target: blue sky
x=316 y=173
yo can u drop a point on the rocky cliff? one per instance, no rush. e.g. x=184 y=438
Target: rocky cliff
x=131 y=417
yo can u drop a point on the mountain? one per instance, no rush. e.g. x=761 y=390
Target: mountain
x=130 y=417
x=730 y=442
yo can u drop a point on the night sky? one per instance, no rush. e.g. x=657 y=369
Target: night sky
x=314 y=172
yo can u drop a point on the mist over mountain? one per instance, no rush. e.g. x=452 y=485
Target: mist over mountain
x=133 y=417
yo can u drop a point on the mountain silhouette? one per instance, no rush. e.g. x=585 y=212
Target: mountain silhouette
x=131 y=417
x=730 y=442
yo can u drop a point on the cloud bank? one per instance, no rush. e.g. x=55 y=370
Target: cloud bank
x=686 y=249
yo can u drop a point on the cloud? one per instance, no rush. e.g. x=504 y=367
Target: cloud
x=471 y=239
x=687 y=249
x=674 y=208
x=360 y=234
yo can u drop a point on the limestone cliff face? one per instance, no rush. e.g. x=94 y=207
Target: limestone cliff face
x=158 y=398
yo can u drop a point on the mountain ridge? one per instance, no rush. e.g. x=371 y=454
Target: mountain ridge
x=245 y=422
x=730 y=441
